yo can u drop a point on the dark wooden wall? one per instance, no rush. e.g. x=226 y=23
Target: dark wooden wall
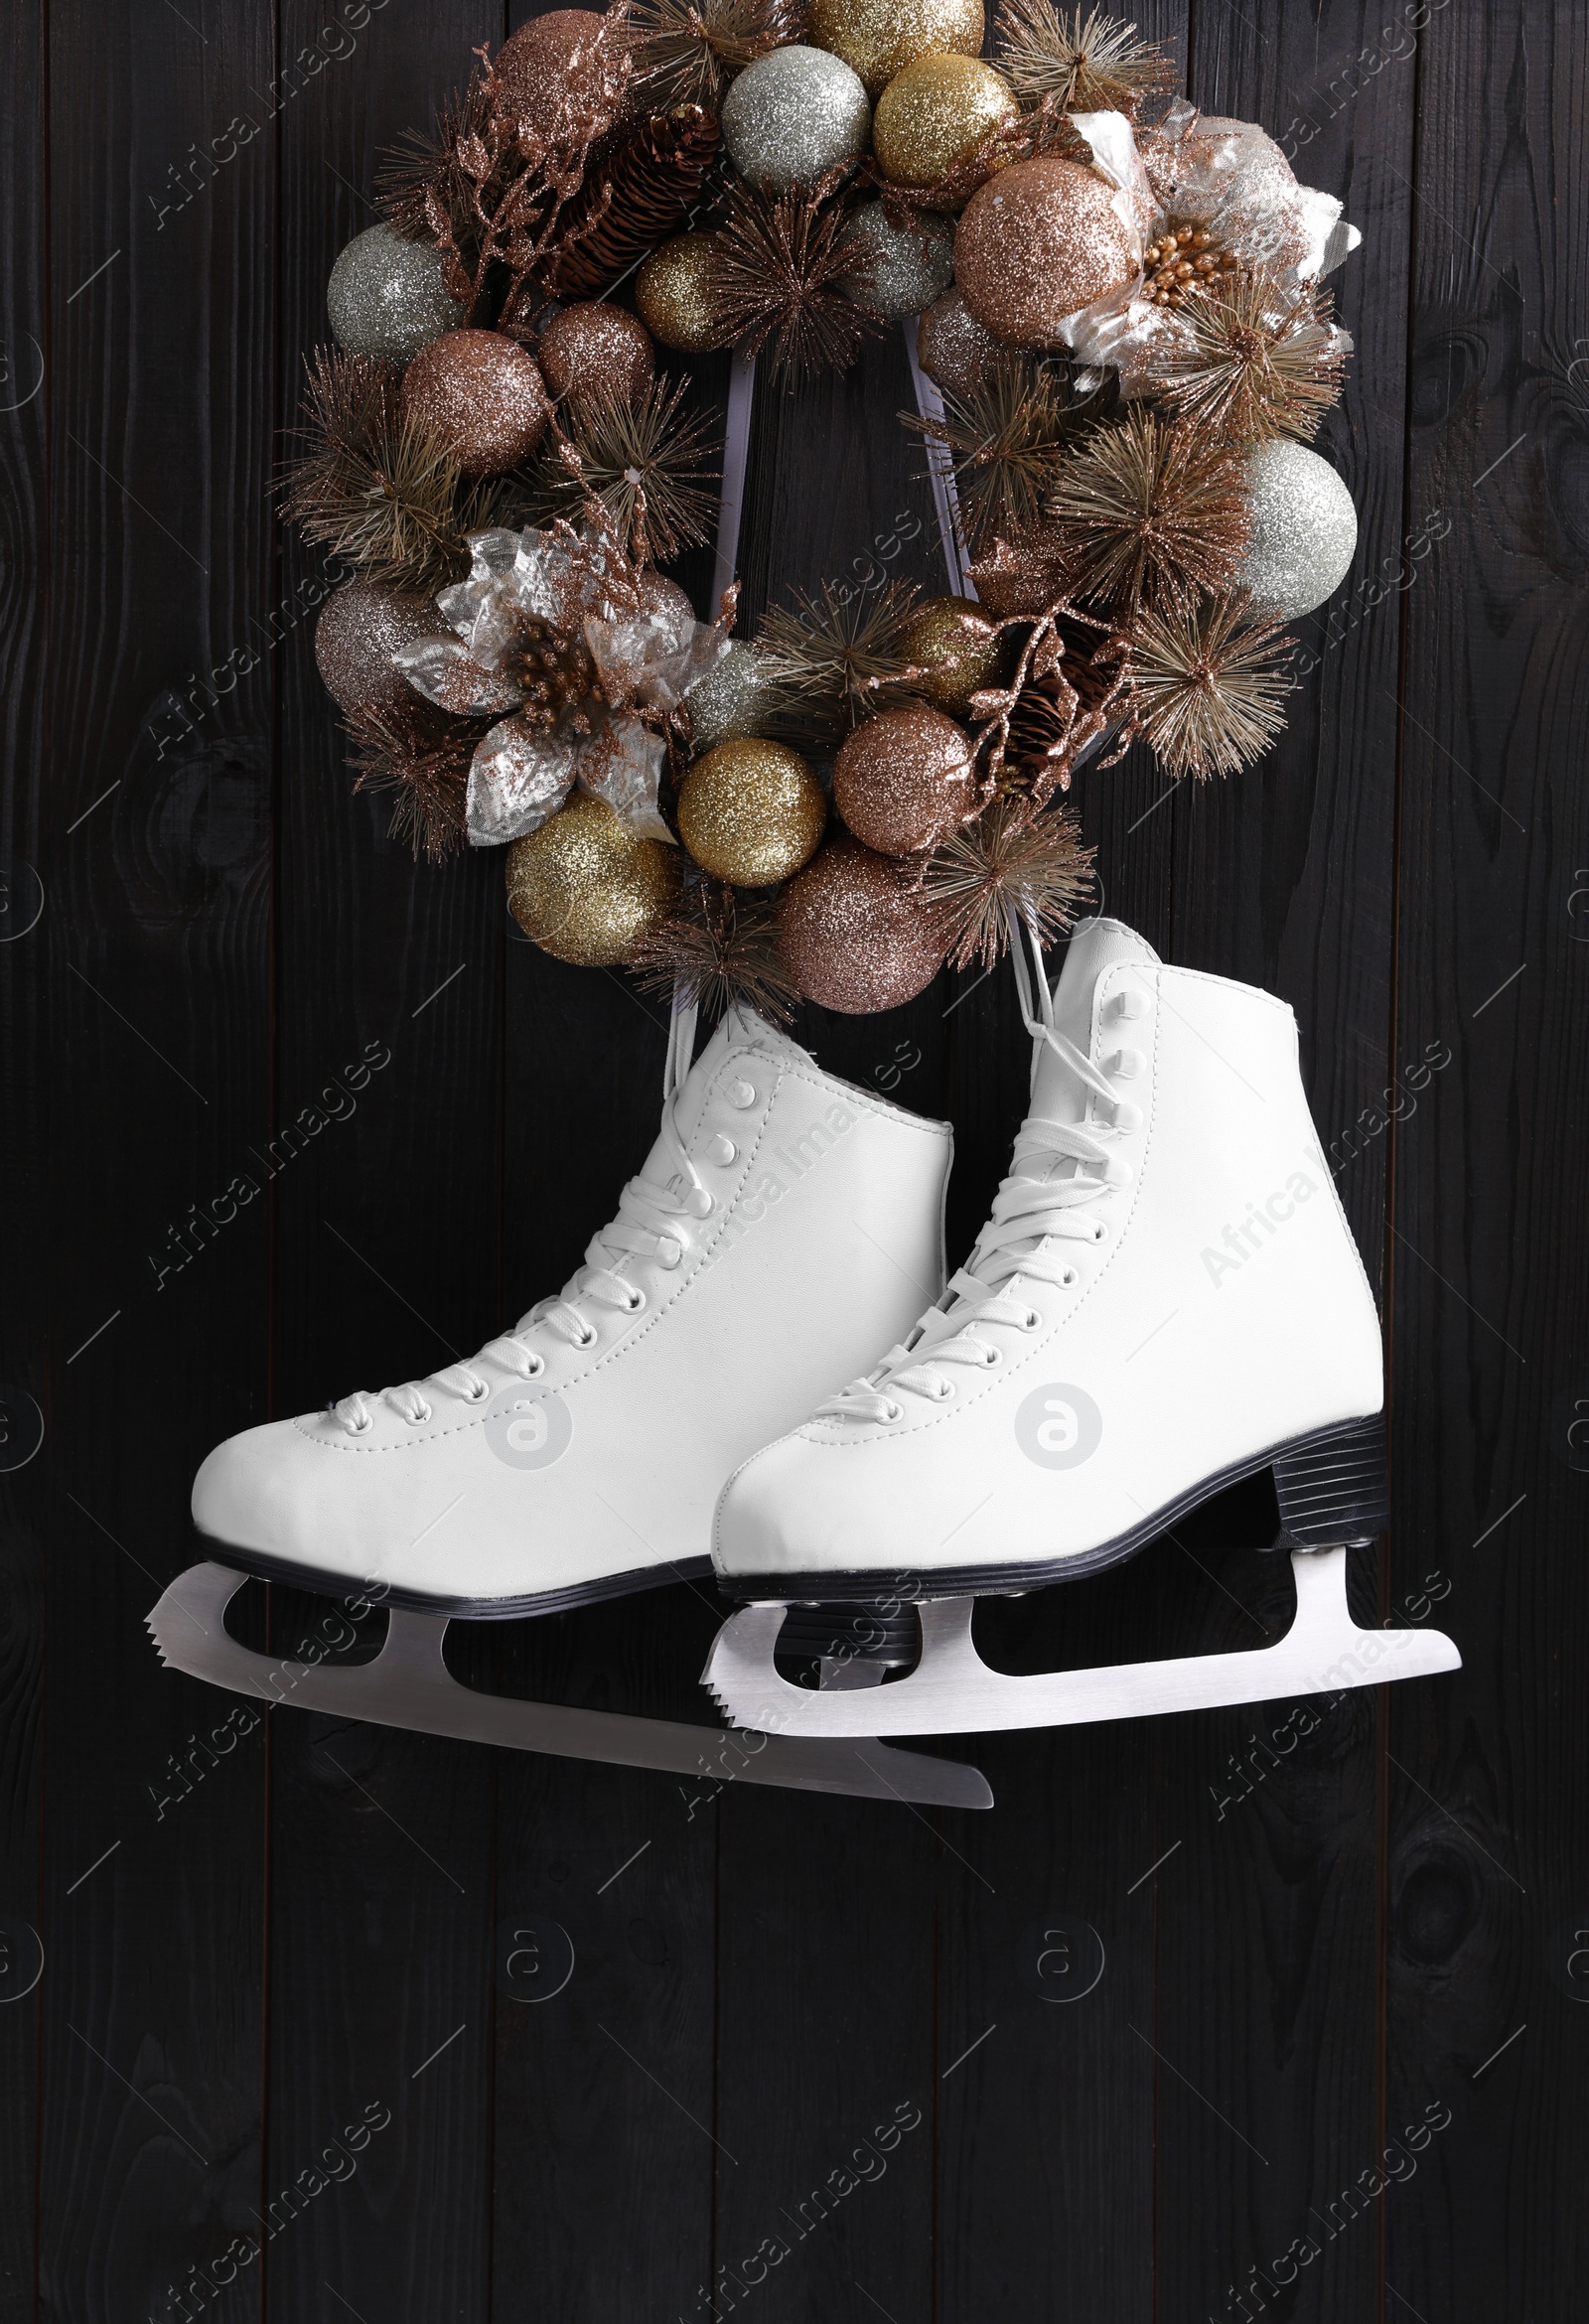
x=1293 y=1950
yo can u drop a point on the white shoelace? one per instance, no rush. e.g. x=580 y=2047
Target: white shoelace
x=1030 y=1211
x=650 y=1224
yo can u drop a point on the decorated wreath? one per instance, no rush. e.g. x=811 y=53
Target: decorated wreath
x=1121 y=351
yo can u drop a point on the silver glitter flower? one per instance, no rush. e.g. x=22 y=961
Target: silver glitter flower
x=586 y=682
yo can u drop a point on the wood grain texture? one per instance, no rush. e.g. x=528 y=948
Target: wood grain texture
x=1486 y=1790
x=1309 y=1932
x=381 y=1860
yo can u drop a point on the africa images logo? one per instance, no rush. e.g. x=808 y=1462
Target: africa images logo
x=1059 y=1426
x=528 y=1429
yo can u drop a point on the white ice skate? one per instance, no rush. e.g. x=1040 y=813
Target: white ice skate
x=783 y=1227
x=1166 y=1298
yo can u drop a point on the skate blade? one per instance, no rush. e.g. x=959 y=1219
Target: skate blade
x=952 y=1690
x=408 y=1684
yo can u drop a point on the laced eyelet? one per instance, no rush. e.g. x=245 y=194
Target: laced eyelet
x=420 y=1418
x=1099 y=1230
x=479 y=1393
x=1069 y=1279
x=589 y=1340
x=359 y=1427
x=634 y=1302
x=700 y=1204
x=1032 y=1321
x=534 y=1366
x=992 y=1359
x=944 y=1390
x=894 y=1412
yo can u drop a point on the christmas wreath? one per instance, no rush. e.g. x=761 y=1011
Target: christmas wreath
x=1120 y=347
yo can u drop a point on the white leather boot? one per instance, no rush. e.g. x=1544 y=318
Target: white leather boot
x=784 y=1225
x=1166 y=1298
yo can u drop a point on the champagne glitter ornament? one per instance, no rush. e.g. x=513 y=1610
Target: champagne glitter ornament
x=359 y=631
x=1304 y=531
x=549 y=64
x=593 y=346
x=904 y=779
x=482 y=395
x=879 y=37
x=1038 y=241
x=792 y=116
x=676 y=296
x=386 y=297
x=751 y=812
x=936 y=113
x=587 y=888
x=957 y=649
x=905 y=267
x=952 y=348
x=730 y=699
x=854 y=933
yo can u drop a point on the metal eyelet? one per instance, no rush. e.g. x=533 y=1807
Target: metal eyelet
x=589 y=1341
x=633 y=1304
x=534 y=1367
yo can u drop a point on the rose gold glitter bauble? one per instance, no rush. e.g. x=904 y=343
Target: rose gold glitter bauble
x=752 y=812
x=676 y=294
x=359 y=631
x=658 y=595
x=879 y=37
x=952 y=348
x=1025 y=575
x=904 y=779
x=1034 y=244
x=594 y=345
x=955 y=646
x=935 y=113
x=854 y=933
x=482 y=395
x=546 y=63
x=586 y=887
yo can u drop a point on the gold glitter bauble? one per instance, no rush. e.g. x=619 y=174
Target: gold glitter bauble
x=546 y=63
x=957 y=649
x=935 y=113
x=593 y=346
x=586 y=888
x=482 y=395
x=904 y=779
x=879 y=37
x=752 y=812
x=1034 y=244
x=676 y=294
x=855 y=933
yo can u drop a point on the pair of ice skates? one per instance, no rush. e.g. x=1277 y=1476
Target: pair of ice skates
x=1166 y=1298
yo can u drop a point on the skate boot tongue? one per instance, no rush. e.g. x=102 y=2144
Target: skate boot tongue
x=1097 y=946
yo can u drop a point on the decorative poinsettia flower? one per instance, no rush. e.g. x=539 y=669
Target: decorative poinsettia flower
x=1207 y=202
x=588 y=659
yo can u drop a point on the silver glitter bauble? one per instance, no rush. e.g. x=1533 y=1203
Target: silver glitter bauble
x=793 y=115
x=727 y=703
x=906 y=267
x=1304 y=531
x=386 y=296
x=952 y=348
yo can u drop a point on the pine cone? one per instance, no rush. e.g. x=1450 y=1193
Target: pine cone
x=555 y=671
x=635 y=202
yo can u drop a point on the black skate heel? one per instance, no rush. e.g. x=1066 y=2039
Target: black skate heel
x=1334 y=1489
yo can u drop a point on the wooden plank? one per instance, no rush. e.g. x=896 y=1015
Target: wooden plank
x=1487 y=1797
x=25 y=1059
x=157 y=866
x=387 y=1267
x=1268 y=1997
